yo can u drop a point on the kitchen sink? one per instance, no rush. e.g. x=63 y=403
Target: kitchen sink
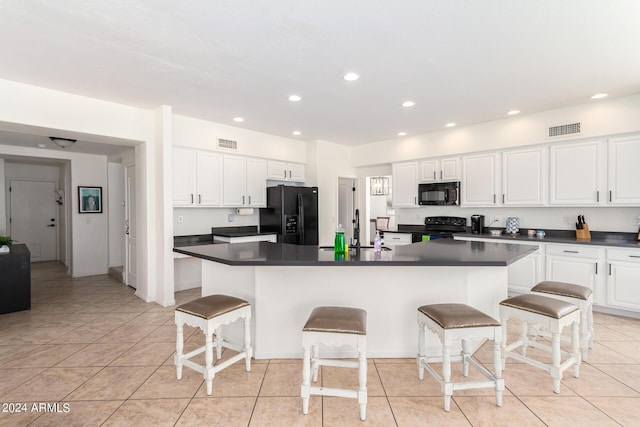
x=353 y=249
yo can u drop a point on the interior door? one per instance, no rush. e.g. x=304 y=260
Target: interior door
x=130 y=268
x=33 y=217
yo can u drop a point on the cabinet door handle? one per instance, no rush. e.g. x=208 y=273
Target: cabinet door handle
x=285 y=173
x=571 y=252
x=610 y=195
x=415 y=200
x=503 y=198
x=289 y=174
x=249 y=199
x=596 y=268
x=609 y=269
x=199 y=198
x=597 y=196
x=191 y=197
x=434 y=174
x=494 y=198
x=243 y=200
x=634 y=256
x=440 y=174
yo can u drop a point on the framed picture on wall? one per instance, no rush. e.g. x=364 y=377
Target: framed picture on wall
x=90 y=199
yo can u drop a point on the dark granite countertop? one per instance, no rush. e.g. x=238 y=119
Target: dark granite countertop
x=598 y=238
x=436 y=253
x=242 y=231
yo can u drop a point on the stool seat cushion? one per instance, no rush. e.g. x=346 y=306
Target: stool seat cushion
x=212 y=306
x=563 y=289
x=344 y=320
x=539 y=304
x=452 y=316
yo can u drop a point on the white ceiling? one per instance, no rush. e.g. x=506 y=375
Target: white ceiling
x=463 y=61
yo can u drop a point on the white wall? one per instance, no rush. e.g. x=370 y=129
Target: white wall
x=4 y=226
x=200 y=220
x=116 y=213
x=202 y=134
x=598 y=118
x=331 y=161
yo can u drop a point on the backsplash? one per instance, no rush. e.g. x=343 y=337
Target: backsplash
x=200 y=220
x=558 y=218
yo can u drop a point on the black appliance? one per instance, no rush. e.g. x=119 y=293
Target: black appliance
x=439 y=193
x=292 y=214
x=477 y=224
x=436 y=227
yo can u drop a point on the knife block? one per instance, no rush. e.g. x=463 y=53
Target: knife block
x=584 y=233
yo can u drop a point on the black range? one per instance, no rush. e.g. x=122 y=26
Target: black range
x=437 y=227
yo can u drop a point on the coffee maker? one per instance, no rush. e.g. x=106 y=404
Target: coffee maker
x=477 y=224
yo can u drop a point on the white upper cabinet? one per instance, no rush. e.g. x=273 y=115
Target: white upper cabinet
x=405 y=184
x=577 y=174
x=209 y=181
x=197 y=178
x=524 y=177
x=244 y=181
x=445 y=169
x=624 y=171
x=283 y=171
x=480 y=175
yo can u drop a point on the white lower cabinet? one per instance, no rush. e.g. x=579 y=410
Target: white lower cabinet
x=623 y=279
x=579 y=264
x=396 y=239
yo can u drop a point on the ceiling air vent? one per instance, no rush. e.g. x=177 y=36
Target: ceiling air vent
x=227 y=144
x=563 y=130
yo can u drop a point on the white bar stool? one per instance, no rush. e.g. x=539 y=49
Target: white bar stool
x=453 y=322
x=552 y=314
x=336 y=326
x=210 y=314
x=576 y=295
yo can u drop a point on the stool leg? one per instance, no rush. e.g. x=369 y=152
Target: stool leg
x=422 y=332
x=315 y=366
x=524 y=338
x=497 y=368
x=208 y=360
x=306 y=379
x=447 y=388
x=179 y=349
x=574 y=349
x=248 y=351
x=503 y=344
x=584 y=333
x=362 y=379
x=555 y=361
x=218 y=343
x=465 y=357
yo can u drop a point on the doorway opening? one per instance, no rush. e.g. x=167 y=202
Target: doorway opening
x=380 y=214
x=346 y=207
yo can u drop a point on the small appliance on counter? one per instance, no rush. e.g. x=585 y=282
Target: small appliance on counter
x=477 y=224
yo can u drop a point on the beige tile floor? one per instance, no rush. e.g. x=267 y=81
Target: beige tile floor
x=98 y=355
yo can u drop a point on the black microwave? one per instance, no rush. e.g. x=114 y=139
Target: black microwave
x=439 y=193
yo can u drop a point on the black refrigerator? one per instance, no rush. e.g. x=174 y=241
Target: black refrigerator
x=292 y=214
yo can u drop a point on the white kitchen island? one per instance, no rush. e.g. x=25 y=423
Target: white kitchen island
x=285 y=282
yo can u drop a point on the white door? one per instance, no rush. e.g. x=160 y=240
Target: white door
x=346 y=195
x=130 y=268
x=34 y=217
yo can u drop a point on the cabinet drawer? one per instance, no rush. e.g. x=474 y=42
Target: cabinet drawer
x=573 y=250
x=395 y=238
x=629 y=255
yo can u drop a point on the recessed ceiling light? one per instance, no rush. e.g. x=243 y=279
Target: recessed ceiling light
x=295 y=98
x=513 y=112
x=408 y=104
x=450 y=125
x=296 y=132
x=238 y=119
x=351 y=77
x=402 y=134
x=599 y=95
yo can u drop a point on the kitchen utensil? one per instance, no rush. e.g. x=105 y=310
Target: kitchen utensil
x=495 y=232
